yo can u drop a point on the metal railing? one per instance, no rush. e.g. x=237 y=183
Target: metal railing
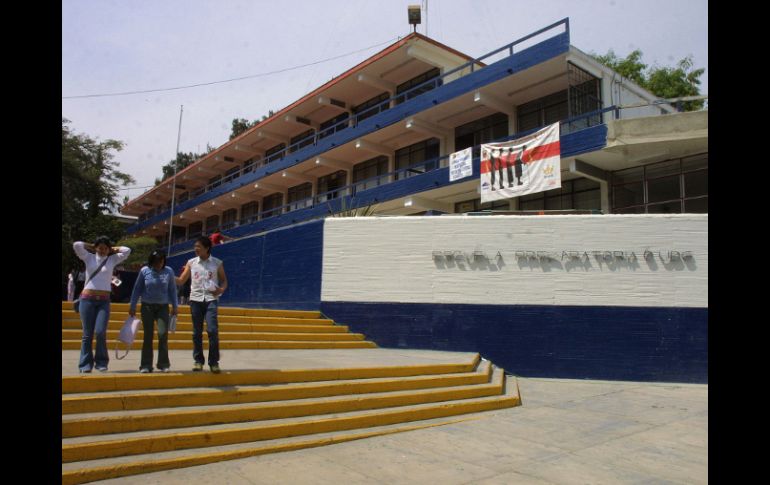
x=398 y=98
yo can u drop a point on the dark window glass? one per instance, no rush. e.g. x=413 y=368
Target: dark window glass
x=543 y=111
x=326 y=126
x=215 y=181
x=194 y=230
x=212 y=222
x=697 y=206
x=275 y=153
x=665 y=188
x=635 y=174
x=299 y=196
x=229 y=219
x=483 y=130
x=371 y=107
x=671 y=207
x=433 y=73
x=628 y=194
x=249 y=212
x=368 y=172
x=695 y=162
x=271 y=205
x=669 y=167
x=696 y=183
x=412 y=155
x=328 y=185
x=305 y=138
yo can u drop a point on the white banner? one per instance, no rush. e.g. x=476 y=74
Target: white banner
x=522 y=166
x=461 y=164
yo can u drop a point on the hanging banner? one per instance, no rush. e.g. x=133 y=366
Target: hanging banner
x=523 y=166
x=461 y=164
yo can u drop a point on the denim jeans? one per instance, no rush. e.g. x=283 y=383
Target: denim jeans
x=150 y=313
x=207 y=310
x=94 y=315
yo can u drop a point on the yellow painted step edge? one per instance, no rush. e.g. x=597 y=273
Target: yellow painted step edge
x=125 y=382
x=181 y=441
x=85 y=475
x=72 y=404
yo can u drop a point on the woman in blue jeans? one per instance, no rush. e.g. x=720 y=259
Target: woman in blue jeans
x=100 y=259
x=156 y=285
x=208 y=284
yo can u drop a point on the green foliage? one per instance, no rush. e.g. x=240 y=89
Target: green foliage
x=90 y=183
x=240 y=125
x=141 y=247
x=665 y=82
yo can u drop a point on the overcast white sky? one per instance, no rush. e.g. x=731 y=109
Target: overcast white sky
x=111 y=46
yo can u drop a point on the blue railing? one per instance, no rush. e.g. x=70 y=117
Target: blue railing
x=336 y=128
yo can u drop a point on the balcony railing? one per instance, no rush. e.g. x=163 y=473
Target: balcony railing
x=415 y=91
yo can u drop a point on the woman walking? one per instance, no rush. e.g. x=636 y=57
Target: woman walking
x=100 y=259
x=156 y=286
x=208 y=284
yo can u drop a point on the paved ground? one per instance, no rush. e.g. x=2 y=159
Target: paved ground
x=566 y=432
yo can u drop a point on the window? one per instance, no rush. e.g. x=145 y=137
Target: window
x=215 y=182
x=543 y=111
x=212 y=223
x=584 y=97
x=578 y=194
x=183 y=197
x=232 y=174
x=669 y=187
x=475 y=205
x=432 y=73
x=272 y=205
x=371 y=107
x=275 y=153
x=306 y=138
x=326 y=126
x=195 y=229
x=300 y=196
x=249 y=212
x=369 y=173
x=480 y=131
x=229 y=219
x=414 y=154
x=249 y=165
x=328 y=185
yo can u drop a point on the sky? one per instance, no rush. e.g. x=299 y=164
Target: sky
x=114 y=46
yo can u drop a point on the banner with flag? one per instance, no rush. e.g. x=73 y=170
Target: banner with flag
x=523 y=166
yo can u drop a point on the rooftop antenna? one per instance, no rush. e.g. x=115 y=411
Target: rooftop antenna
x=414 y=16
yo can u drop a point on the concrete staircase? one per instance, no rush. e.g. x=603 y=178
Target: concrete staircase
x=239 y=328
x=125 y=423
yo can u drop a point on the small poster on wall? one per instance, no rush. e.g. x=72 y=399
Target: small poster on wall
x=461 y=164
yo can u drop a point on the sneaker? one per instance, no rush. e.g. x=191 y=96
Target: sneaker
x=145 y=370
x=165 y=369
x=101 y=369
x=215 y=369
x=197 y=366
x=85 y=371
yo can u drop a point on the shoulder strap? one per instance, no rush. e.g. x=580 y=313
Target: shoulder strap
x=97 y=269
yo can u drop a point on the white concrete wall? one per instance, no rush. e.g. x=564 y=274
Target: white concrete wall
x=391 y=259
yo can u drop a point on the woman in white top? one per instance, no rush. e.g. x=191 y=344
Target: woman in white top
x=100 y=259
x=208 y=283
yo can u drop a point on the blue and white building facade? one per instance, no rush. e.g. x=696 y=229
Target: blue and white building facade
x=614 y=287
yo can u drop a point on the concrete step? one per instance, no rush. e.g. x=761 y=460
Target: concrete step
x=237 y=344
x=87 y=448
x=195 y=416
x=122 y=382
x=243 y=394
x=223 y=310
x=107 y=468
x=187 y=335
x=122 y=315
x=75 y=324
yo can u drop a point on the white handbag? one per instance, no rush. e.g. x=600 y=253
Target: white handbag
x=127 y=335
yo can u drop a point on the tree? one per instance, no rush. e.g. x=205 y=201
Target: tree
x=141 y=247
x=90 y=182
x=240 y=125
x=666 y=82
x=183 y=160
